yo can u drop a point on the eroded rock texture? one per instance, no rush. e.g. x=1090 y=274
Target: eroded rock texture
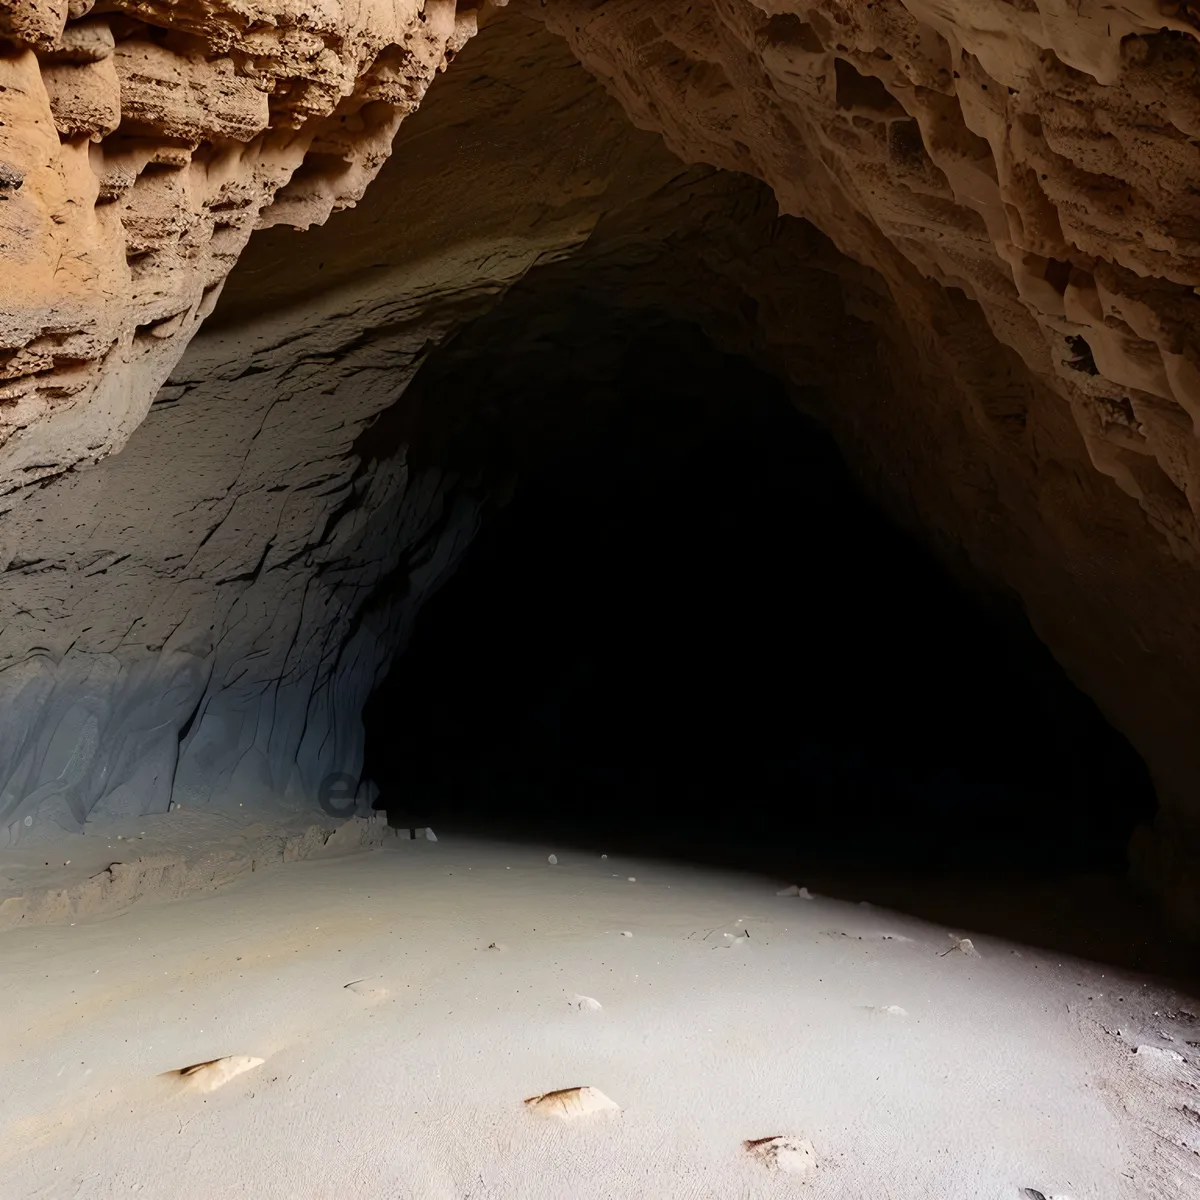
x=983 y=282
x=141 y=143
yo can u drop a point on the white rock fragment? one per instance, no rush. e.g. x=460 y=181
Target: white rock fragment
x=963 y=945
x=632 y=879
x=791 y=1155
x=1156 y=1054
x=430 y=836
x=626 y=933
x=585 y=1003
x=889 y=1010
x=801 y=893
x=569 y=1104
x=208 y=1076
x=553 y=860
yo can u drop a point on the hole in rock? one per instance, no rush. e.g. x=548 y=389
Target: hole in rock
x=681 y=630
x=863 y=92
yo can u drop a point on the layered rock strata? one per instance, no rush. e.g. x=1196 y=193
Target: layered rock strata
x=141 y=143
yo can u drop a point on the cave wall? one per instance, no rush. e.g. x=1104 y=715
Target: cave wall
x=188 y=620
x=983 y=282
x=202 y=616
x=1038 y=161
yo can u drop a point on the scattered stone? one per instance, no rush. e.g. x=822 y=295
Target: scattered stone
x=801 y=893
x=553 y=860
x=208 y=1076
x=889 y=1010
x=632 y=879
x=585 y=1004
x=626 y=933
x=430 y=836
x=569 y=1104
x=792 y=1156
x=964 y=945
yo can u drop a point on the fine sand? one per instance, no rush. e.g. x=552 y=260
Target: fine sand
x=425 y=1012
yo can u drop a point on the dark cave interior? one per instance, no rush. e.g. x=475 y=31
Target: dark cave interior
x=682 y=631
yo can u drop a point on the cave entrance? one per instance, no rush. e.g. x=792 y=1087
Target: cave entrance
x=682 y=630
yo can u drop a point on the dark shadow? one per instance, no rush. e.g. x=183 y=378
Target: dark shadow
x=682 y=632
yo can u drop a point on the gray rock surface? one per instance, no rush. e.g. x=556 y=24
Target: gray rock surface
x=201 y=617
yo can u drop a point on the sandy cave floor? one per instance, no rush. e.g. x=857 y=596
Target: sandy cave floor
x=915 y=1069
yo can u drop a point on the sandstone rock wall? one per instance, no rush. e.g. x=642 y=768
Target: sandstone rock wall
x=141 y=143
x=1041 y=158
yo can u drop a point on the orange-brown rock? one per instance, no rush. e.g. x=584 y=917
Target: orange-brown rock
x=141 y=144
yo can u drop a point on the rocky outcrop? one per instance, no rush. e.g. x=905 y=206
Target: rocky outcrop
x=1041 y=158
x=141 y=144
x=997 y=319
